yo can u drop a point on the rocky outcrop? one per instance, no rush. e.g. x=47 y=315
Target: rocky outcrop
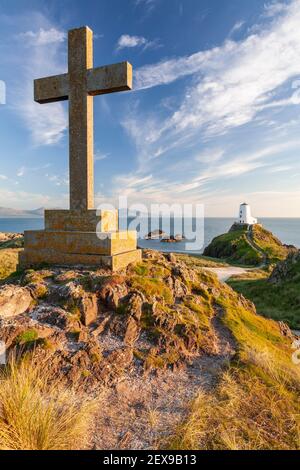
x=14 y=300
x=155 y=235
x=11 y=240
x=93 y=326
x=287 y=269
x=247 y=245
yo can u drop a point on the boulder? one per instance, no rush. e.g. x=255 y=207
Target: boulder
x=54 y=316
x=88 y=307
x=112 y=292
x=170 y=257
x=14 y=300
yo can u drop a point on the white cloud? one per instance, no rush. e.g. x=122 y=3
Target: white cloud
x=274 y=8
x=99 y=156
x=147 y=5
x=210 y=156
x=48 y=122
x=58 y=180
x=3 y=177
x=27 y=200
x=131 y=41
x=232 y=83
x=43 y=37
x=236 y=27
x=127 y=41
x=21 y=172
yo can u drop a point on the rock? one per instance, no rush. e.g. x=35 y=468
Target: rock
x=39 y=290
x=184 y=273
x=112 y=291
x=88 y=307
x=170 y=257
x=285 y=330
x=153 y=255
x=180 y=289
x=11 y=240
x=286 y=269
x=170 y=239
x=179 y=238
x=101 y=326
x=54 y=316
x=155 y=234
x=14 y=300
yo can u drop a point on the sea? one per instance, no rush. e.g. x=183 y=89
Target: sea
x=286 y=229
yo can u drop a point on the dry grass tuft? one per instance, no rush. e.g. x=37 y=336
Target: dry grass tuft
x=8 y=262
x=244 y=414
x=39 y=415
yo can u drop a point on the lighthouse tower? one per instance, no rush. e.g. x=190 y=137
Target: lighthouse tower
x=245 y=216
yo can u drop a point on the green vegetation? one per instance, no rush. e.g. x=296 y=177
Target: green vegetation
x=270 y=244
x=278 y=301
x=235 y=248
x=197 y=261
x=255 y=404
x=27 y=337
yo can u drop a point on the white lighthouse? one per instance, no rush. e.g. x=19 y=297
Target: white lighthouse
x=245 y=216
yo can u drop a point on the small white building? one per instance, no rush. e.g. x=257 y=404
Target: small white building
x=245 y=216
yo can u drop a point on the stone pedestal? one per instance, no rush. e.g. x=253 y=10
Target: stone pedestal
x=80 y=238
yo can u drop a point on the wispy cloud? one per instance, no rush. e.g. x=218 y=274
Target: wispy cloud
x=47 y=123
x=274 y=8
x=42 y=37
x=147 y=5
x=231 y=84
x=236 y=27
x=3 y=177
x=99 y=156
x=58 y=180
x=127 y=41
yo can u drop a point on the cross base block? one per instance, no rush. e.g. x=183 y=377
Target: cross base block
x=81 y=220
x=114 y=250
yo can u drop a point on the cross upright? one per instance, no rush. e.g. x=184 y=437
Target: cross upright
x=79 y=86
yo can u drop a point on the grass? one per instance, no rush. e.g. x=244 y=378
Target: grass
x=279 y=302
x=244 y=414
x=197 y=261
x=271 y=245
x=234 y=247
x=38 y=416
x=8 y=262
x=152 y=287
x=256 y=402
x=28 y=336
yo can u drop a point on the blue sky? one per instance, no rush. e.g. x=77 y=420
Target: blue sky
x=214 y=117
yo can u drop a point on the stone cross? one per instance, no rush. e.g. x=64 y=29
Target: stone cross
x=79 y=85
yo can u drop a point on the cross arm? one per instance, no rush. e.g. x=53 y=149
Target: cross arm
x=109 y=79
x=51 y=89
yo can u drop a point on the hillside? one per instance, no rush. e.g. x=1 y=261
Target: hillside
x=8 y=212
x=247 y=247
x=276 y=295
x=165 y=355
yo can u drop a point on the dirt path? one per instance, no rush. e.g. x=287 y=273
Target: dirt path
x=257 y=248
x=225 y=273
x=141 y=411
